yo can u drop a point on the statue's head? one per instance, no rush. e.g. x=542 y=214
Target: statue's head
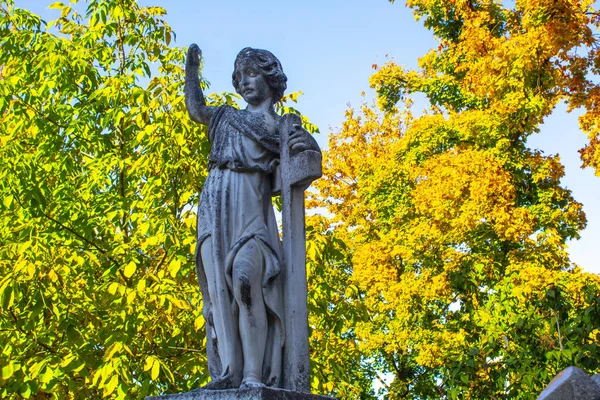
x=269 y=67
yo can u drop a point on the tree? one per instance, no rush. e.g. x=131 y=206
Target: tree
x=456 y=231
x=338 y=366
x=99 y=168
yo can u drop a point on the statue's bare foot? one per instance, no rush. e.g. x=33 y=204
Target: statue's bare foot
x=247 y=384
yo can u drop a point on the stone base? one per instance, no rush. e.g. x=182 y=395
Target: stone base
x=240 y=394
x=571 y=384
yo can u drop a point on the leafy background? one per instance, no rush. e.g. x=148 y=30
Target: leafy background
x=439 y=269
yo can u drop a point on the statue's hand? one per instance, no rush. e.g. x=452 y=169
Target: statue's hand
x=300 y=140
x=193 y=57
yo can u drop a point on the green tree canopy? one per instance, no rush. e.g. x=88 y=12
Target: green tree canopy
x=99 y=169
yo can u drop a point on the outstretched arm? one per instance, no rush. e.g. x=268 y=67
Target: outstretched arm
x=194 y=98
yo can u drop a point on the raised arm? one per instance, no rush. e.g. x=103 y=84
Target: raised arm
x=194 y=98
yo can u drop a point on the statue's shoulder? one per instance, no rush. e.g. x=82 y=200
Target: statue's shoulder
x=220 y=112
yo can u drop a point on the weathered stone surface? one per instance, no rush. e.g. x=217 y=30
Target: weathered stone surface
x=241 y=394
x=571 y=384
x=596 y=378
x=297 y=172
x=253 y=287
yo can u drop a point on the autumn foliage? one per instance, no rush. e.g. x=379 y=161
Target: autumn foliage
x=455 y=229
x=440 y=269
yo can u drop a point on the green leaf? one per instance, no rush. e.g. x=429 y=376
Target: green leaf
x=8 y=297
x=25 y=390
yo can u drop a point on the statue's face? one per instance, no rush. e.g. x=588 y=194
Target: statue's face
x=252 y=85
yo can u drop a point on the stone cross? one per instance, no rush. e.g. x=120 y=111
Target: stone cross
x=296 y=174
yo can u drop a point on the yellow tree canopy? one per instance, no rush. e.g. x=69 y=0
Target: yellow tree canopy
x=456 y=231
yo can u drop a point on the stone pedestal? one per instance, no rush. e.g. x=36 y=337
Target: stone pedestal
x=241 y=394
x=571 y=384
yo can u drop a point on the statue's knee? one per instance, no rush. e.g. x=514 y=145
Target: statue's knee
x=243 y=288
x=247 y=274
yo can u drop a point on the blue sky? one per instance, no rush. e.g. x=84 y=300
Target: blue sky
x=327 y=49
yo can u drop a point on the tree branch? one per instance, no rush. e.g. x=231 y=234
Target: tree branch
x=24 y=332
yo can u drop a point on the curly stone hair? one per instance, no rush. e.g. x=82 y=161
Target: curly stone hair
x=269 y=66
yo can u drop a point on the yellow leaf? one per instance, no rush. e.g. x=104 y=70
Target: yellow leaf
x=131 y=296
x=199 y=323
x=141 y=286
x=25 y=391
x=112 y=288
x=35 y=368
x=67 y=360
x=155 y=370
x=30 y=270
x=111 y=385
x=57 y=5
x=7 y=200
x=130 y=269
x=112 y=350
x=7 y=371
x=148 y=363
x=52 y=275
x=174 y=267
x=47 y=375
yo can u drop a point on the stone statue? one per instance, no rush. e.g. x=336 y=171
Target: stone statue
x=239 y=257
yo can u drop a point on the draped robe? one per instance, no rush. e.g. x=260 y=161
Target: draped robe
x=235 y=207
